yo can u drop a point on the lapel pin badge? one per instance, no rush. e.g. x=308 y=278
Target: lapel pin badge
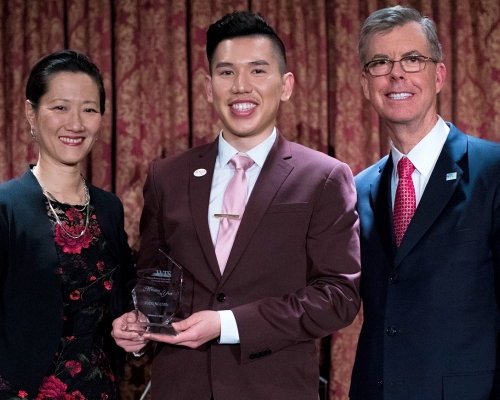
x=200 y=172
x=451 y=176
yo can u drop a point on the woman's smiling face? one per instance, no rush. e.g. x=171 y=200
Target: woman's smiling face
x=67 y=120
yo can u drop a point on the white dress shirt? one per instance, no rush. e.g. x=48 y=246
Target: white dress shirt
x=223 y=173
x=423 y=156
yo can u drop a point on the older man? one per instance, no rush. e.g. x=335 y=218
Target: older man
x=430 y=231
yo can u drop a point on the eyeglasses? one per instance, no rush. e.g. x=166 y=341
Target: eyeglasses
x=409 y=64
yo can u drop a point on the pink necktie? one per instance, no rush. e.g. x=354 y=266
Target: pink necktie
x=405 y=202
x=233 y=207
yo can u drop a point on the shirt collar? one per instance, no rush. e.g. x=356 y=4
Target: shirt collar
x=258 y=153
x=425 y=154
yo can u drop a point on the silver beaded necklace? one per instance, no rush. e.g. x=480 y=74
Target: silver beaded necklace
x=50 y=198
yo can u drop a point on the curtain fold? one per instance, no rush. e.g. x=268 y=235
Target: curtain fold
x=152 y=57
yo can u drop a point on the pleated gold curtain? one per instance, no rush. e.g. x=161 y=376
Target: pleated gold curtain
x=152 y=57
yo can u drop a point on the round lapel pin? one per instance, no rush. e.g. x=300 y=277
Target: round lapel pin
x=200 y=172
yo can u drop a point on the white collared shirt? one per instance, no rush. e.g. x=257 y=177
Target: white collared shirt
x=223 y=173
x=423 y=156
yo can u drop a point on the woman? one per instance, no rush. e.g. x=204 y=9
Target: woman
x=64 y=258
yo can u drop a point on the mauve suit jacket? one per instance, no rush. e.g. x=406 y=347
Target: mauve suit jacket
x=31 y=304
x=431 y=307
x=292 y=275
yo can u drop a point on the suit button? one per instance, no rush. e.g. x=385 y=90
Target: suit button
x=394 y=278
x=221 y=297
x=252 y=356
x=391 y=331
x=380 y=383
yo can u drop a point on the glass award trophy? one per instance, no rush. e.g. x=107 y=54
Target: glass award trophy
x=157 y=297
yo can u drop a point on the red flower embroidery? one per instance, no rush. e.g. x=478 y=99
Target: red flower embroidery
x=60 y=271
x=104 y=396
x=93 y=216
x=70 y=338
x=73 y=214
x=75 y=295
x=70 y=245
x=107 y=285
x=76 y=396
x=74 y=367
x=100 y=266
x=92 y=278
x=22 y=394
x=52 y=388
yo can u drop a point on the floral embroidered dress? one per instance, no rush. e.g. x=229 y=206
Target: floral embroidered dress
x=81 y=368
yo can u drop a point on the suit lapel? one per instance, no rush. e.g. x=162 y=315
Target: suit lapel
x=437 y=193
x=199 y=196
x=274 y=172
x=107 y=225
x=381 y=203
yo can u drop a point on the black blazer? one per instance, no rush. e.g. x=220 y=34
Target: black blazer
x=432 y=320
x=31 y=308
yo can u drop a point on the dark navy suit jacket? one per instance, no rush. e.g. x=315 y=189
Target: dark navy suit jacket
x=431 y=306
x=31 y=306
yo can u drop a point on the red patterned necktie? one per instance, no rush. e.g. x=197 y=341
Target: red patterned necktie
x=405 y=202
x=233 y=207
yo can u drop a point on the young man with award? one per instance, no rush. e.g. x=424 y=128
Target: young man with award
x=265 y=230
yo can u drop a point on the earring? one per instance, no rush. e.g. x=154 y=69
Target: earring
x=33 y=136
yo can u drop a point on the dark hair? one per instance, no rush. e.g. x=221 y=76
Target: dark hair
x=243 y=23
x=62 y=61
x=386 y=19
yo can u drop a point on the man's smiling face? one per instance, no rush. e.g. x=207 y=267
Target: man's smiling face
x=401 y=97
x=246 y=87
